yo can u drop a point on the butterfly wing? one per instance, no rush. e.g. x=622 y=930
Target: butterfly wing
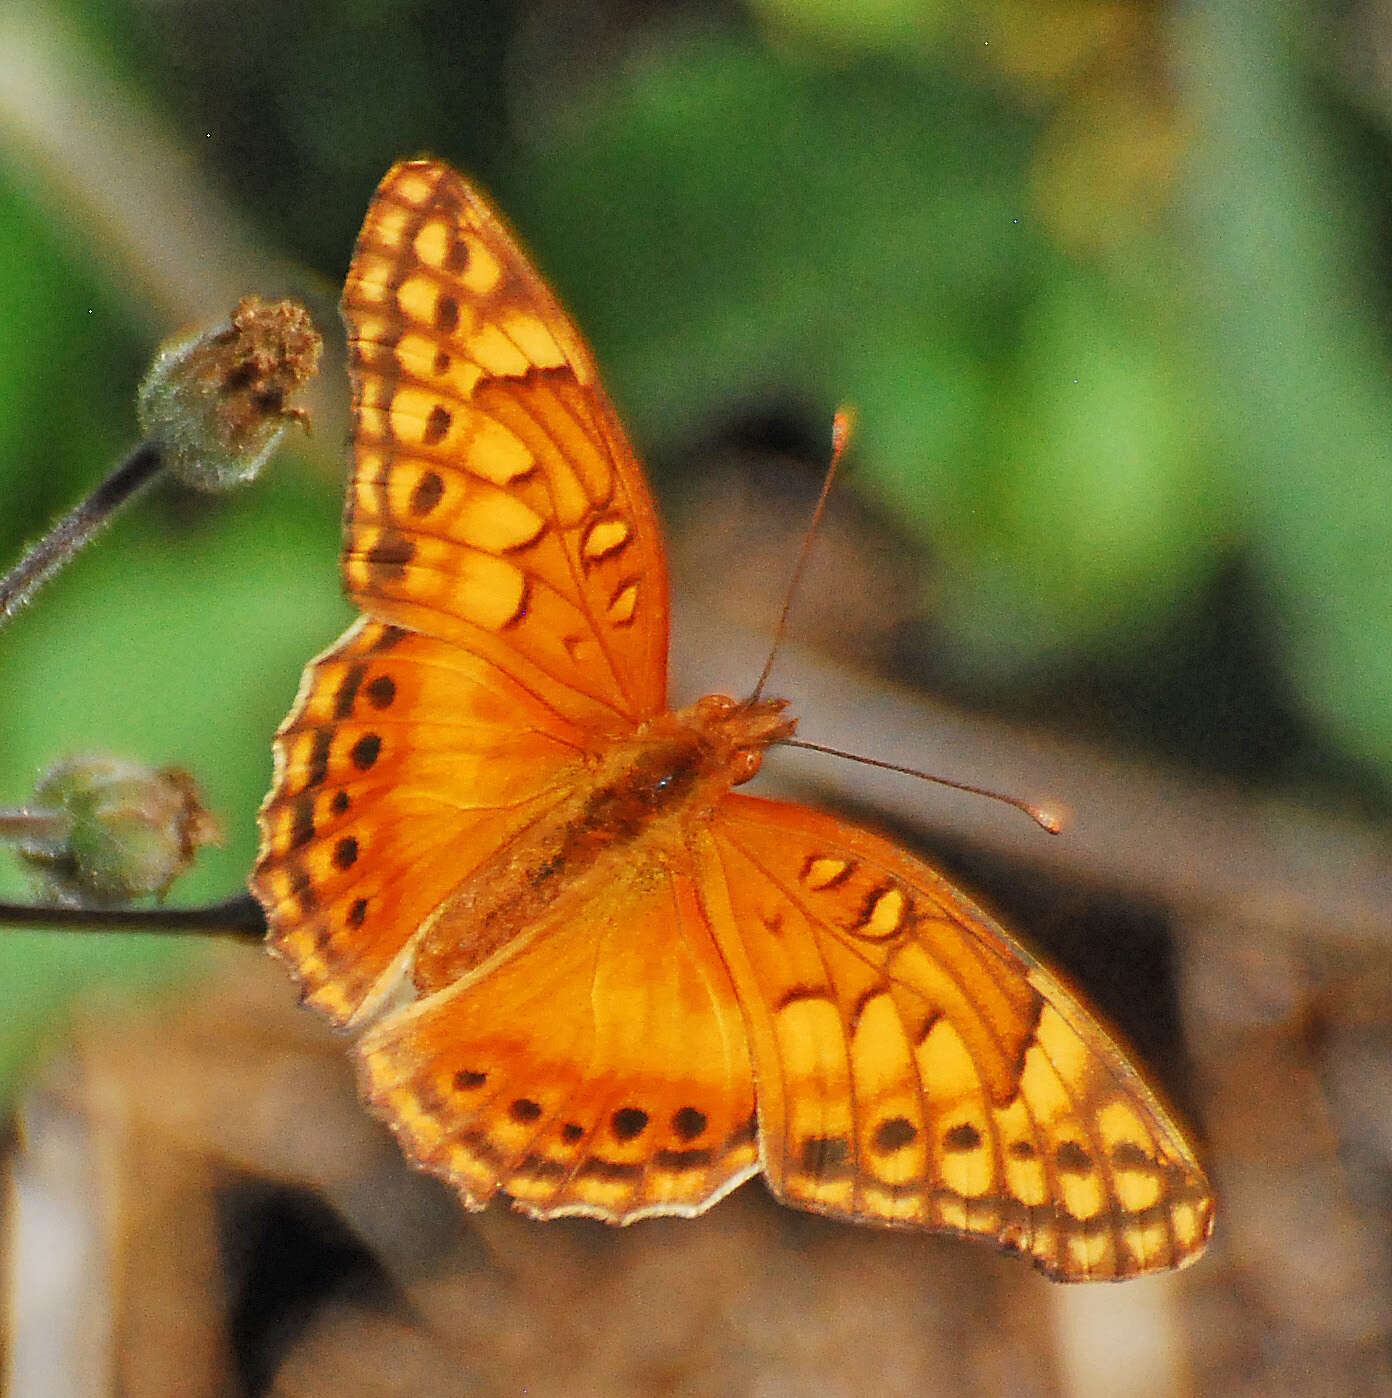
x=403 y=765
x=495 y=502
x=915 y=1065
x=502 y=543
x=602 y=1069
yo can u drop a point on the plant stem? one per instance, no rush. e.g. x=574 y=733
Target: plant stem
x=77 y=528
x=46 y=829
x=238 y=916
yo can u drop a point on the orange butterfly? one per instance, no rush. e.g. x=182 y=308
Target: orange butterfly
x=581 y=969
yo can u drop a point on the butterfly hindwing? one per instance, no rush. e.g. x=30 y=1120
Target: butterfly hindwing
x=600 y=1069
x=916 y=1066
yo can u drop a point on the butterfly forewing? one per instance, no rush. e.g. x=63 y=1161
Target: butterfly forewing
x=404 y=764
x=915 y=1065
x=501 y=538
x=495 y=502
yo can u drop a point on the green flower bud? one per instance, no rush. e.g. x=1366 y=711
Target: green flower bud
x=217 y=402
x=131 y=830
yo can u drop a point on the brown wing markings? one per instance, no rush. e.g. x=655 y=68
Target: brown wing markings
x=292 y=861
x=335 y=969
x=1112 y=1217
x=445 y=463
x=585 y=390
x=419 y=795
x=850 y=944
x=571 y=532
x=820 y=1161
x=453 y=193
x=388 y=565
x=1003 y=1198
x=1141 y=1205
x=425 y=201
x=564 y=733
x=446 y=728
x=509 y=295
x=816 y=921
x=393 y=574
x=399 y=801
x=929 y=1115
x=518 y=663
x=506 y=1163
x=584 y=1143
x=520 y=666
x=587 y=1141
x=478 y=674
x=1115 y=1213
x=506 y=328
x=1121 y=1084
x=342 y=888
x=557 y=441
x=534 y=420
x=586 y=1156
x=853 y=1136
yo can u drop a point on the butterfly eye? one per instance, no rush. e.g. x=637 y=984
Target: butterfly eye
x=715 y=706
x=744 y=765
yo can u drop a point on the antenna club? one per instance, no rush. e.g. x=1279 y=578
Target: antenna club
x=843 y=425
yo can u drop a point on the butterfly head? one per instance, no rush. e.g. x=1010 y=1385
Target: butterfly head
x=742 y=729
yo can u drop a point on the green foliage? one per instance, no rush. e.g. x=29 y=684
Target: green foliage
x=1085 y=442
x=62 y=345
x=180 y=643
x=866 y=232
x=1294 y=326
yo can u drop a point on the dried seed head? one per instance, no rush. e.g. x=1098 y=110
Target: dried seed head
x=217 y=402
x=133 y=830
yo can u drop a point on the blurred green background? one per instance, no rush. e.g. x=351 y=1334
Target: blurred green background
x=1105 y=280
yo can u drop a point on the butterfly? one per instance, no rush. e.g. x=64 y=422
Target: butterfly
x=580 y=967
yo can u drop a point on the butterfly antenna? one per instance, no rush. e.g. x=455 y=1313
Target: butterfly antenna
x=842 y=425
x=1044 y=818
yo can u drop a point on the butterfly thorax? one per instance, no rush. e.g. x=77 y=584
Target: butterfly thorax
x=629 y=811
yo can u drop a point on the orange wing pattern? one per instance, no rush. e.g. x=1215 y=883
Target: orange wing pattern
x=582 y=971
x=404 y=764
x=495 y=502
x=916 y=1065
x=603 y=1069
x=500 y=533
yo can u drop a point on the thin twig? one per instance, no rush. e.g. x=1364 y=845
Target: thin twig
x=44 y=828
x=238 y=916
x=77 y=528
